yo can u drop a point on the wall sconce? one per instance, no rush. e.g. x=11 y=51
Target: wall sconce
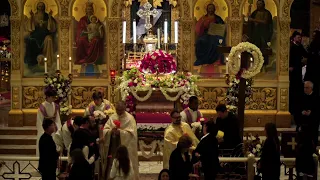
x=113 y=76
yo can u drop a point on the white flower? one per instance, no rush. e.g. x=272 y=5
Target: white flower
x=54 y=79
x=254 y=150
x=99 y=115
x=135 y=81
x=258 y=146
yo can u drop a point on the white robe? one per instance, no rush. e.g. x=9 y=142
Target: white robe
x=194 y=115
x=66 y=135
x=128 y=138
x=102 y=107
x=51 y=110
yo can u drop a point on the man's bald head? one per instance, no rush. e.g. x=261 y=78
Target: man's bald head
x=120 y=107
x=308 y=87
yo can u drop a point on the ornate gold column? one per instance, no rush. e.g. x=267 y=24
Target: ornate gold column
x=235 y=24
x=186 y=47
x=65 y=45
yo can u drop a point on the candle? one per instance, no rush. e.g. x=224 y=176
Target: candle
x=176 y=31
x=158 y=34
x=124 y=27
x=227 y=68
x=58 y=64
x=134 y=26
x=70 y=65
x=45 y=66
x=165 y=31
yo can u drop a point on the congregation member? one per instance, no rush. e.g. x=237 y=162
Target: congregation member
x=207 y=151
x=80 y=169
x=172 y=135
x=48 y=110
x=180 y=165
x=121 y=167
x=309 y=111
x=48 y=152
x=313 y=73
x=164 y=174
x=269 y=164
x=120 y=129
x=297 y=53
x=191 y=113
x=68 y=128
x=228 y=123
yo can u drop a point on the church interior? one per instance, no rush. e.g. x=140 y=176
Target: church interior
x=112 y=46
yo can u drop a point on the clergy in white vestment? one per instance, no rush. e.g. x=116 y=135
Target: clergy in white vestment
x=172 y=135
x=191 y=114
x=68 y=128
x=120 y=129
x=99 y=104
x=48 y=110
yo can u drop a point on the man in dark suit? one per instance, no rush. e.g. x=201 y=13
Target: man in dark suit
x=48 y=153
x=228 y=123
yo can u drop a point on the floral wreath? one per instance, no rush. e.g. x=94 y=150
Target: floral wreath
x=234 y=63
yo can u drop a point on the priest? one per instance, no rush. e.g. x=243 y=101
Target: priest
x=120 y=129
x=191 y=114
x=48 y=110
x=172 y=135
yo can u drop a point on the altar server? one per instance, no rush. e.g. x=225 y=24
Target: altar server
x=48 y=110
x=191 y=113
x=68 y=129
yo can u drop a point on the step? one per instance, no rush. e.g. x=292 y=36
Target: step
x=26 y=130
x=18 y=139
x=18 y=149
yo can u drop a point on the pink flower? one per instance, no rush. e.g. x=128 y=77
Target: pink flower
x=130 y=84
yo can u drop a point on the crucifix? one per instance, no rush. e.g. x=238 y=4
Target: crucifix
x=146 y=14
x=293 y=143
x=245 y=62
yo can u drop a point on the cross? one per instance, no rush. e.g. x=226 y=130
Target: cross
x=146 y=14
x=293 y=143
x=16 y=173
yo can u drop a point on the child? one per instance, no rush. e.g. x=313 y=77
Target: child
x=80 y=169
x=122 y=168
x=48 y=153
x=93 y=28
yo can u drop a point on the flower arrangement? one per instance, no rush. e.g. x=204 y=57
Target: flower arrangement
x=109 y=112
x=117 y=123
x=5 y=51
x=99 y=115
x=234 y=60
x=196 y=125
x=133 y=80
x=220 y=134
x=233 y=92
x=253 y=145
x=158 y=62
x=62 y=86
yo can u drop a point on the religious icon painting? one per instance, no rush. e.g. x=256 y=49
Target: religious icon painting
x=41 y=37
x=263 y=35
x=89 y=35
x=211 y=38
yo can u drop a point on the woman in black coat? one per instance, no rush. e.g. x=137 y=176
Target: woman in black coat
x=207 y=151
x=180 y=165
x=80 y=168
x=269 y=164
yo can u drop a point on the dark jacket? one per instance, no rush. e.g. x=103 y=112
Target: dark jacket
x=230 y=127
x=179 y=169
x=270 y=161
x=81 y=171
x=208 y=150
x=304 y=158
x=48 y=156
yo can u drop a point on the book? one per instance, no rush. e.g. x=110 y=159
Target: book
x=217 y=29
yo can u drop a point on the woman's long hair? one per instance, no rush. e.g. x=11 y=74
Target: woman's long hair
x=272 y=134
x=122 y=156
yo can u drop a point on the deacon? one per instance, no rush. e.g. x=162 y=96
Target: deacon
x=310 y=111
x=228 y=123
x=172 y=135
x=191 y=113
x=120 y=129
x=48 y=110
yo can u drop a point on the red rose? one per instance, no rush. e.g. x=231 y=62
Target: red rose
x=117 y=123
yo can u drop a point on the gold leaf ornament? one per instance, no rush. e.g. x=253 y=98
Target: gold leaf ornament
x=127 y=3
x=142 y=2
x=157 y=3
x=173 y=2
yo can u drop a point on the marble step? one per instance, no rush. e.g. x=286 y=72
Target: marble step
x=18 y=139
x=26 y=130
x=18 y=149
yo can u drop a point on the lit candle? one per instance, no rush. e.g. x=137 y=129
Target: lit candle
x=158 y=34
x=165 y=31
x=45 y=66
x=58 y=63
x=69 y=65
x=134 y=33
x=227 y=68
x=124 y=27
x=176 y=31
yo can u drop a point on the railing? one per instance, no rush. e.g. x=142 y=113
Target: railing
x=12 y=167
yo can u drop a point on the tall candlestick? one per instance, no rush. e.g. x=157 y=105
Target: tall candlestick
x=158 y=34
x=227 y=68
x=124 y=27
x=165 y=31
x=176 y=30
x=45 y=66
x=70 y=65
x=134 y=33
x=58 y=63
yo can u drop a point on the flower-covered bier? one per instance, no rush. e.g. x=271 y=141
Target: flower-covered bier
x=158 y=62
